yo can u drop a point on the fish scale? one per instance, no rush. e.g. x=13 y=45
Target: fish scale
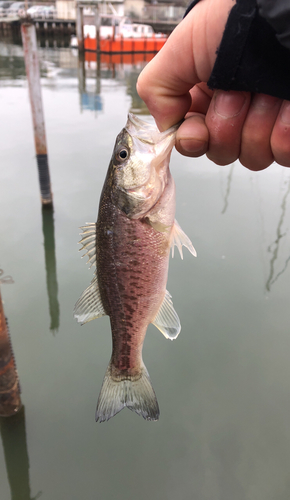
x=135 y=255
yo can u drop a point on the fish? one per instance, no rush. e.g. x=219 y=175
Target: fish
x=130 y=246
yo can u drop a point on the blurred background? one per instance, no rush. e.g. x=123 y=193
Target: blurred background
x=223 y=386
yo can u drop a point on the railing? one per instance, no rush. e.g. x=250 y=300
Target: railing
x=159 y=13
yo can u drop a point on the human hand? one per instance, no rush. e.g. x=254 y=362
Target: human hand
x=225 y=125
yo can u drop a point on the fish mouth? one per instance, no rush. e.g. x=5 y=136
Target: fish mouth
x=147 y=132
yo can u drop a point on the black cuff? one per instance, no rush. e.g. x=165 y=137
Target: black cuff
x=250 y=57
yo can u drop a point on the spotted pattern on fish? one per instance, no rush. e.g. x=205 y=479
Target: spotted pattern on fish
x=132 y=274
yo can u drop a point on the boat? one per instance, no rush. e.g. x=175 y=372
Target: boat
x=120 y=35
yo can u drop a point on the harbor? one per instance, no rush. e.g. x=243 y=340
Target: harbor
x=67 y=84
x=68 y=19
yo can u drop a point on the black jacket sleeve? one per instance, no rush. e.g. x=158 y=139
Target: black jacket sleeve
x=250 y=56
x=277 y=14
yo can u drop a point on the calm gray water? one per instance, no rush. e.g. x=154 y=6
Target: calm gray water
x=223 y=386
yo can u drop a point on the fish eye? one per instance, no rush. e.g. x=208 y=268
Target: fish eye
x=122 y=154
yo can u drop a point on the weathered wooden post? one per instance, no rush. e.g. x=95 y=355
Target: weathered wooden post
x=80 y=27
x=28 y=34
x=10 y=401
x=98 y=24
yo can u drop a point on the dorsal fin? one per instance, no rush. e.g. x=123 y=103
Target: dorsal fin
x=167 y=320
x=88 y=242
x=180 y=239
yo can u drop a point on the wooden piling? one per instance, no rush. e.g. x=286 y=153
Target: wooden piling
x=80 y=28
x=10 y=401
x=98 y=25
x=28 y=33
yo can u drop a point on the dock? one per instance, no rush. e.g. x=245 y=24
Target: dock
x=61 y=28
x=45 y=28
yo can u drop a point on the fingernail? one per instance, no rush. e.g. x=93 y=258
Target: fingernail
x=192 y=145
x=229 y=104
x=264 y=103
x=285 y=115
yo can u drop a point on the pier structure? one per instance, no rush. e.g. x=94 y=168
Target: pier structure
x=33 y=78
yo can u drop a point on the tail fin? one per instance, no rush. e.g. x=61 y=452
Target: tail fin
x=138 y=395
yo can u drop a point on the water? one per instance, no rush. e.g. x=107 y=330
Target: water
x=223 y=386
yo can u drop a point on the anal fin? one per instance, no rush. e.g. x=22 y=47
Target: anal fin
x=167 y=320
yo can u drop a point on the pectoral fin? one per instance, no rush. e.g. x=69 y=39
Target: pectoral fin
x=88 y=241
x=156 y=224
x=89 y=306
x=180 y=239
x=167 y=320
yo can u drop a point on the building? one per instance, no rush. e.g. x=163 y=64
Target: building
x=142 y=10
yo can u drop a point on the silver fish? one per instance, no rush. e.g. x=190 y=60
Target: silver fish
x=130 y=246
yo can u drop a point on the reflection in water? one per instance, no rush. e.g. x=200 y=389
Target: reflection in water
x=98 y=74
x=228 y=188
x=138 y=106
x=123 y=68
x=274 y=247
x=90 y=99
x=8 y=280
x=50 y=266
x=13 y=435
x=81 y=73
x=11 y=62
x=63 y=64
